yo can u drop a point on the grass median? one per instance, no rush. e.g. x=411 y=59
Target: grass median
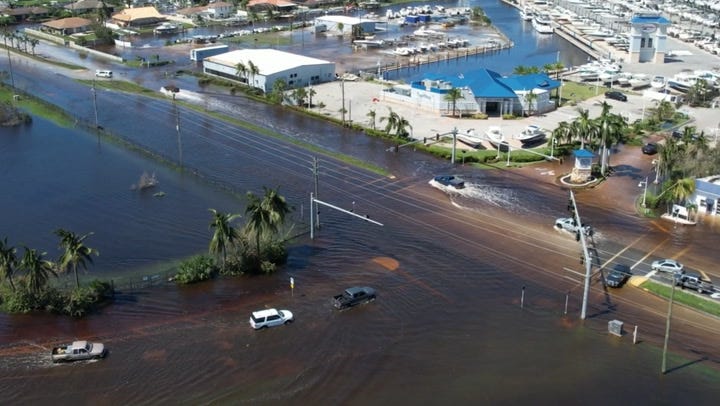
x=702 y=303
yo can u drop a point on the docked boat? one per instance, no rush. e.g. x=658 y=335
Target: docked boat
x=495 y=136
x=542 y=23
x=531 y=134
x=166 y=28
x=682 y=82
x=623 y=78
x=658 y=82
x=369 y=43
x=601 y=32
x=639 y=80
x=527 y=14
x=608 y=76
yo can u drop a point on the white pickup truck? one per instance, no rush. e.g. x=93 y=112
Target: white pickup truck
x=77 y=351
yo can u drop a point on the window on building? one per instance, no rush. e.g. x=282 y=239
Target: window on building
x=649 y=42
x=642 y=42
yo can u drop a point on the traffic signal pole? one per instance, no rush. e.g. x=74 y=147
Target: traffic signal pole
x=586 y=254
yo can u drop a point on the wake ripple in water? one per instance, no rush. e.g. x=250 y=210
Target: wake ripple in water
x=497 y=196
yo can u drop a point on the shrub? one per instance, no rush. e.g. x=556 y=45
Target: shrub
x=508 y=116
x=196 y=269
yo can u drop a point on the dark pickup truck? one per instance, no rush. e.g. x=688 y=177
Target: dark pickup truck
x=353 y=296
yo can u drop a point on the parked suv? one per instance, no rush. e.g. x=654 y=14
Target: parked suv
x=618 y=276
x=270 y=318
x=615 y=95
x=694 y=281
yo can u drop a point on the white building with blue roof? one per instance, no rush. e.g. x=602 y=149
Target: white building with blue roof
x=482 y=91
x=648 y=38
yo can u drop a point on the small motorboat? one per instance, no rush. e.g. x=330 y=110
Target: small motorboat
x=658 y=82
x=639 y=80
x=531 y=134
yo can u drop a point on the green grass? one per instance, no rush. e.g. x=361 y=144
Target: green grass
x=43 y=60
x=702 y=303
x=36 y=107
x=123 y=86
x=573 y=92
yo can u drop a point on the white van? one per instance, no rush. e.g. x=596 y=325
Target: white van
x=103 y=73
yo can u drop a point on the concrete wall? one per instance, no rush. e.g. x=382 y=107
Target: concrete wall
x=71 y=44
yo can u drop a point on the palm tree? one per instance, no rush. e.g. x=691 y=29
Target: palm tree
x=611 y=128
x=530 y=98
x=583 y=126
x=371 y=115
x=224 y=235
x=563 y=132
x=310 y=93
x=38 y=270
x=266 y=215
x=8 y=262
x=664 y=111
x=452 y=96
x=278 y=90
x=299 y=95
x=392 y=120
x=401 y=127
x=241 y=70
x=679 y=191
x=252 y=70
x=76 y=253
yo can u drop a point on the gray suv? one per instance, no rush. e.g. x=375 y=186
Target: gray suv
x=693 y=281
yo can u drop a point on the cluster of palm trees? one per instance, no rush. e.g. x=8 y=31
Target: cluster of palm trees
x=19 y=41
x=37 y=269
x=247 y=71
x=264 y=218
x=394 y=122
x=599 y=133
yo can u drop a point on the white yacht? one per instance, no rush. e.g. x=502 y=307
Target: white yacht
x=495 y=136
x=542 y=23
x=527 y=14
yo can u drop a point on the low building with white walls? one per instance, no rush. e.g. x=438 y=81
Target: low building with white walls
x=261 y=68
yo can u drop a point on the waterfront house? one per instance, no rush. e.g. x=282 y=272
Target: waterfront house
x=138 y=17
x=88 y=6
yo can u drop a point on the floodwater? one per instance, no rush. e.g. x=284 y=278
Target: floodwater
x=472 y=287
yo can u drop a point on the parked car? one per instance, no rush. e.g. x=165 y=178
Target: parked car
x=103 y=73
x=667 y=265
x=615 y=95
x=650 y=148
x=450 y=181
x=354 y=296
x=270 y=318
x=617 y=277
x=569 y=224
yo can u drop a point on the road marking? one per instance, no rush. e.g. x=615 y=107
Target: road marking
x=658 y=226
x=621 y=251
x=650 y=253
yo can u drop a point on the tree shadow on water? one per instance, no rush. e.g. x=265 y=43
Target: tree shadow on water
x=626 y=170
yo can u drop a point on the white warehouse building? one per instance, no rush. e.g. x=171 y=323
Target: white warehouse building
x=260 y=68
x=344 y=25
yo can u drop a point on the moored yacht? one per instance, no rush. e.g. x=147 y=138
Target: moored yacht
x=639 y=80
x=542 y=23
x=658 y=82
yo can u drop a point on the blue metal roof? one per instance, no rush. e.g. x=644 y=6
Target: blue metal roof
x=641 y=19
x=485 y=83
x=583 y=153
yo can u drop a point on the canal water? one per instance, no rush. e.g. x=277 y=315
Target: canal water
x=448 y=325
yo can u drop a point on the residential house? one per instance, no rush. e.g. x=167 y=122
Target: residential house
x=138 y=17
x=67 y=26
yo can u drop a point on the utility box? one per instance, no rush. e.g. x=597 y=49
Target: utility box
x=615 y=327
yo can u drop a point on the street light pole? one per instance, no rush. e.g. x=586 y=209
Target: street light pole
x=663 y=369
x=586 y=257
x=454 y=134
x=645 y=192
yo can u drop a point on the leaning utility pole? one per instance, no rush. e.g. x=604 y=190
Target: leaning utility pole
x=94 y=93
x=342 y=91
x=586 y=254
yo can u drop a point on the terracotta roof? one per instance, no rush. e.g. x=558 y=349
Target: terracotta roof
x=71 y=22
x=130 y=14
x=277 y=3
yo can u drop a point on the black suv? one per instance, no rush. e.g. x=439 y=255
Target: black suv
x=615 y=95
x=650 y=148
x=618 y=276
